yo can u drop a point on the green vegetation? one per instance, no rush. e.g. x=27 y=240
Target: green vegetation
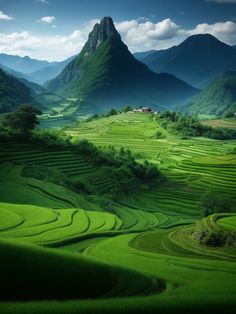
x=221 y=123
x=219 y=98
x=23 y=120
x=70 y=218
x=12 y=93
x=191 y=126
x=211 y=232
x=214 y=203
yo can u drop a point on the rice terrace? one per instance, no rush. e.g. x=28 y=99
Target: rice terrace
x=118 y=163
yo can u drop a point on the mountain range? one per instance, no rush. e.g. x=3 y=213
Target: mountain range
x=106 y=74
x=197 y=60
x=31 y=69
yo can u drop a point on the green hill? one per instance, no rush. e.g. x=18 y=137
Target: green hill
x=106 y=74
x=217 y=99
x=12 y=93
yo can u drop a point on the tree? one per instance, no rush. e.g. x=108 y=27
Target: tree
x=215 y=203
x=127 y=108
x=24 y=119
x=112 y=112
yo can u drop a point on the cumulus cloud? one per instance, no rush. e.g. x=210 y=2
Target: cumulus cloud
x=47 y=19
x=139 y=35
x=44 y=47
x=6 y=17
x=147 y=35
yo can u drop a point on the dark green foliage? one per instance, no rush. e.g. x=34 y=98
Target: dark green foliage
x=219 y=98
x=112 y=112
x=159 y=134
x=127 y=108
x=50 y=139
x=187 y=125
x=213 y=203
x=180 y=124
x=120 y=167
x=220 y=133
x=24 y=119
x=12 y=93
x=217 y=238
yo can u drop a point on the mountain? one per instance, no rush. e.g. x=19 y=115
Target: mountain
x=197 y=60
x=217 y=99
x=31 y=69
x=106 y=74
x=12 y=92
x=49 y=72
x=22 y=64
x=234 y=46
x=140 y=55
x=16 y=74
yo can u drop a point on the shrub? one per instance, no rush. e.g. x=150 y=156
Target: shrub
x=214 y=203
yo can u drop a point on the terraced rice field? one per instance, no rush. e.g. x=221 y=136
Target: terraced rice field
x=137 y=256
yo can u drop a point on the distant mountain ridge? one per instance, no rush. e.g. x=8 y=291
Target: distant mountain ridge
x=140 y=55
x=22 y=64
x=34 y=70
x=197 y=60
x=106 y=74
x=47 y=73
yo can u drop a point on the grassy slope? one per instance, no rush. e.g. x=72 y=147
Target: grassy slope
x=190 y=277
x=221 y=123
x=56 y=275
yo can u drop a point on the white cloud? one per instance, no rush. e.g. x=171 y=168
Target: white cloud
x=44 y=1
x=139 y=35
x=6 y=17
x=222 y=1
x=47 y=19
x=41 y=47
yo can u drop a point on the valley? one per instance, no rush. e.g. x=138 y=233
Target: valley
x=151 y=230
x=118 y=157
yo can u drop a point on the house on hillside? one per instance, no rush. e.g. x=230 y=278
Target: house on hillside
x=144 y=110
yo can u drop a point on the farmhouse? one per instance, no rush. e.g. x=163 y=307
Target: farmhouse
x=145 y=110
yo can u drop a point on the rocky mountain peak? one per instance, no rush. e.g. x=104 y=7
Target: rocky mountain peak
x=100 y=33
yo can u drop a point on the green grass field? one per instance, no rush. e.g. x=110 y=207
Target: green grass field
x=221 y=123
x=64 y=252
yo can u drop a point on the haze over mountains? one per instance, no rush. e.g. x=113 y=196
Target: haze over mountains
x=31 y=69
x=197 y=60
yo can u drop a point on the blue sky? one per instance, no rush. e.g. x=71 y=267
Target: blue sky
x=57 y=29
